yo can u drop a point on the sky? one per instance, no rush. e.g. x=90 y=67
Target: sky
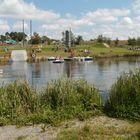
x=89 y=18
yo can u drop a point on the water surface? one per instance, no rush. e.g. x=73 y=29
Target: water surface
x=102 y=72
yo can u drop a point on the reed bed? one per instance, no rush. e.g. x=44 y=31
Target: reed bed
x=62 y=99
x=124 y=101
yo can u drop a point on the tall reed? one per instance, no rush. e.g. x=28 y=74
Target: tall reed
x=124 y=98
x=73 y=97
x=17 y=99
x=62 y=99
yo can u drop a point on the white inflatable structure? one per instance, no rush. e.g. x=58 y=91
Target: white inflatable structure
x=19 y=55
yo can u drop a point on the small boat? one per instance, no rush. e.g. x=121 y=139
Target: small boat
x=68 y=59
x=1 y=71
x=51 y=58
x=88 y=58
x=58 y=60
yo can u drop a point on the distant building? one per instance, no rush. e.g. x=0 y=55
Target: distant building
x=68 y=38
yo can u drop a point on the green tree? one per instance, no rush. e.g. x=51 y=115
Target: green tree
x=18 y=36
x=100 y=39
x=45 y=39
x=116 y=42
x=7 y=35
x=132 y=41
x=2 y=38
x=35 y=39
x=138 y=41
x=79 y=39
x=108 y=41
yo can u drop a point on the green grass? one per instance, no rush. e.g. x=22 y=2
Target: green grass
x=21 y=138
x=96 y=50
x=124 y=100
x=89 y=132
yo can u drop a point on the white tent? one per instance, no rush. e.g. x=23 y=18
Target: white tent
x=19 y=55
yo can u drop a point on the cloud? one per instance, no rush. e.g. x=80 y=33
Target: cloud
x=88 y=21
x=136 y=6
x=107 y=15
x=21 y=9
x=19 y=25
x=4 y=27
x=120 y=22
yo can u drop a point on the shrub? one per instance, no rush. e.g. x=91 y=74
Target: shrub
x=62 y=99
x=71 y=97
x=124 y=98
x=17 y=99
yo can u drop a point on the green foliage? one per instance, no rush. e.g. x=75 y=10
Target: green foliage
x=132 y=41
x=17 y=99
x=79 y=40
x=71 y=98
x=103 y=39
x=62 y=99
x=102 y=132
x=35 y=39
x=124 y=98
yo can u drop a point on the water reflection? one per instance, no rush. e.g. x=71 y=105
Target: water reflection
x=102 y=73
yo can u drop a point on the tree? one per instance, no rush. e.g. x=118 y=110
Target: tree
x=138 y=41
x=132 y=41
x=79 y=39
x=116 y=42
x=45 y=39
x=100 y=39
x=2 y=38
x=7 y=35
x=35 y=39
x=108 y=41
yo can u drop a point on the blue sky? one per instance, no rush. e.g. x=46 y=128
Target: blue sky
x=89 y=18
x=80 y=6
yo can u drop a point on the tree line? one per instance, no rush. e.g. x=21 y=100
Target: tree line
x=37 y=39
x=131 y=41
x=20 y=36
x=134 y=41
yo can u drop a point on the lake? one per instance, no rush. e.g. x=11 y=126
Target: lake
x=101 y=72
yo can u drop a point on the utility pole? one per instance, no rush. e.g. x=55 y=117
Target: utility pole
x=23 y=31
x=31 y=31
x=70 y=39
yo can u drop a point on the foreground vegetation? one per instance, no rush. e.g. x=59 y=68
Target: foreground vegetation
x=62 y=99
x=66 y=99
x=124 y=101
x=106 y=129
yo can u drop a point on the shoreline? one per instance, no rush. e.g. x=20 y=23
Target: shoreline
x=99 y=126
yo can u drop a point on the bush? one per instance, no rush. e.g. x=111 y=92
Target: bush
x=17 y=100
x=62 y=99
x=124 y=98
x=71 y=97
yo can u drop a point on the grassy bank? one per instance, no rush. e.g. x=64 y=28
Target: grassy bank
x=63 y=99
x=101 y=128
x=77 y=106
x=95 y=50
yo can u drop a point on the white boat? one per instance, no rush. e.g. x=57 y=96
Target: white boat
x=88 y=58
x=1 y=71
x=51 y=58
x=60 y=60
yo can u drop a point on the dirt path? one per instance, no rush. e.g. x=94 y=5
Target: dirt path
x=106 y=45
x=42 y=132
